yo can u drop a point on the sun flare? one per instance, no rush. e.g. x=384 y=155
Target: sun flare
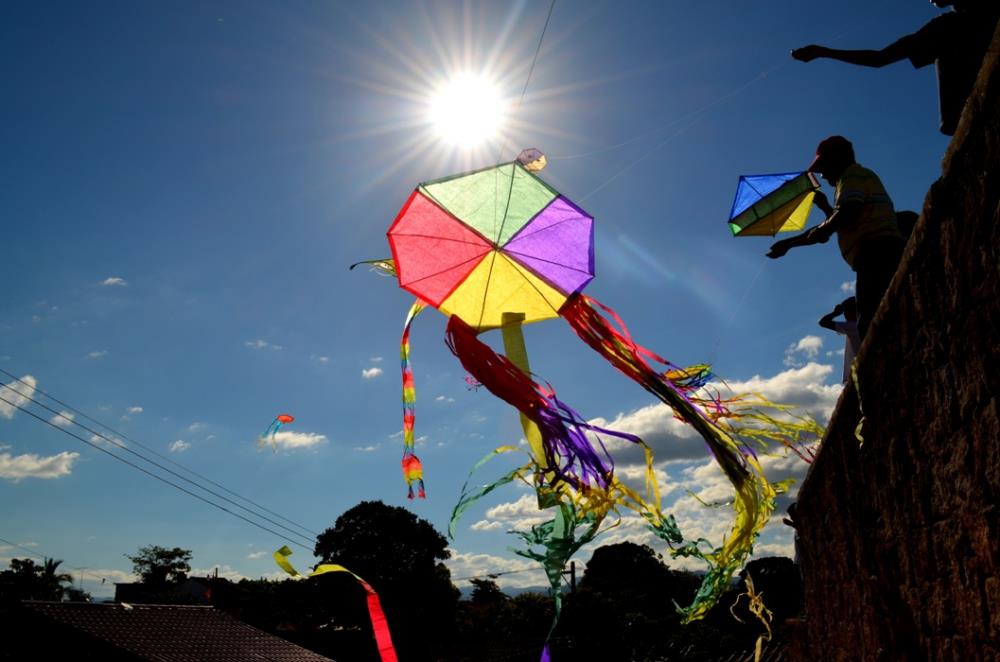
x=467 y=111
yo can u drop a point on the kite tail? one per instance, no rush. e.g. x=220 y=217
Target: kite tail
x=384 y=266
x=754 y=496
x=560 y=541
x=380 y=626
x=572 y=452
x=413 y=470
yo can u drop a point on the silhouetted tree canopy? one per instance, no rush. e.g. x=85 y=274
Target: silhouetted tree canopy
x=27 y=580
x=486 y=592
x=159 y=566
x=400 y=555
x=383 y=543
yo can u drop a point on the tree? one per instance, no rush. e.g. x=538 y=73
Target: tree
x=26 y=580
x=159 y=566
x=400 y=555
x=625 y=606
x=53 y=580
x=486 y=592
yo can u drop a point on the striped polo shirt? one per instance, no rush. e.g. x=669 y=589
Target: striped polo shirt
x=877 y=218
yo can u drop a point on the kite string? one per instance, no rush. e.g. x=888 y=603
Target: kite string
x=736 y=309
x=778 y=64
x=531 y=70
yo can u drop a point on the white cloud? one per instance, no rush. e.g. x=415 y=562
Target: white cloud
x=257 y=555
x=135 y=410
x=114 y=281
x=320 y=359
x=524 y=572
x=850 y=287
x=371 y=373
x=294 y=440
x=93 y=576
x=366 y=449
x=17 y=467
x=806 y=348
x=63 y=419
x=442 y=398
x=97 y=353
x=231 y=573
x=376 y=359
x=261 y=344
x=656 y=425
x=18 y=394
x=486 y=525
x=196 y=426
x=107 y=441
x=686 y=471
x=179 y=446
x=804 y=388
x=521 y=514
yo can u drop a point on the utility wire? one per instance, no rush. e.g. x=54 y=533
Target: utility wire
x=119 y=444
x=157 y=477
x=492 y=575
x=44 y=557
x=150 y=450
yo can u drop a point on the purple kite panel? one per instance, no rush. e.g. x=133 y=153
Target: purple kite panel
x=558 y=245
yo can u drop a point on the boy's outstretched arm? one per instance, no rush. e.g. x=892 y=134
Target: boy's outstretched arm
x=819 y=234
x=865 y=58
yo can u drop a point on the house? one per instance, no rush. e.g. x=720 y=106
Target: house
x=120 y=632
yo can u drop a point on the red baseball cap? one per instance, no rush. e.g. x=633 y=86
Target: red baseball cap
x=834 y=147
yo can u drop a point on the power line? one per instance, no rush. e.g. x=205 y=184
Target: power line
x=493 y=575
x=44 y=557
x=157 y=477
x=119 y=444
x=150 y=450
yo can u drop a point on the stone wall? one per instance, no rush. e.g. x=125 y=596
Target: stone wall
x=900 y=535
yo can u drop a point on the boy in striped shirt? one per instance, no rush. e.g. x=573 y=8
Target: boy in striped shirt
x=863 y=217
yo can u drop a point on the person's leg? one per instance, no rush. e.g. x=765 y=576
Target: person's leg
x=875 y=266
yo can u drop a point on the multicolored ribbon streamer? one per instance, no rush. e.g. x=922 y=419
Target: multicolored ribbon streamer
x=754 y=495
x=413 y=470
x=565 y=452
x=380 y=626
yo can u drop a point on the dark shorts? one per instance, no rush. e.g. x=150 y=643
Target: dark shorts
x=875 y=265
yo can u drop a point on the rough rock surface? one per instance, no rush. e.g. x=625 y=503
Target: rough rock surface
x=900 y=535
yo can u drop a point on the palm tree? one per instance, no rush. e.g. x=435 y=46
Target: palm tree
x=52 y=581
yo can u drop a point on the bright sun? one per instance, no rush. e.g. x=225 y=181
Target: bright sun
x=467 y=111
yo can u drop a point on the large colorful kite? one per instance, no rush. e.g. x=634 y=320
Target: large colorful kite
x=769 y=204
x=498 y=248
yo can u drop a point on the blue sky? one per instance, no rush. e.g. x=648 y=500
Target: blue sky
x=183 y=186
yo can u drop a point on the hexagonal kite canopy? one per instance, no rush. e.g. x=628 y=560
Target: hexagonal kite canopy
x=493 y=241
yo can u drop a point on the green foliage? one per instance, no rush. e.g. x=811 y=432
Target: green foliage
x=400 y=555
x=159 y=566
x=500 y=627
x=27 y=580
x=486 y=592
x=626 y=609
